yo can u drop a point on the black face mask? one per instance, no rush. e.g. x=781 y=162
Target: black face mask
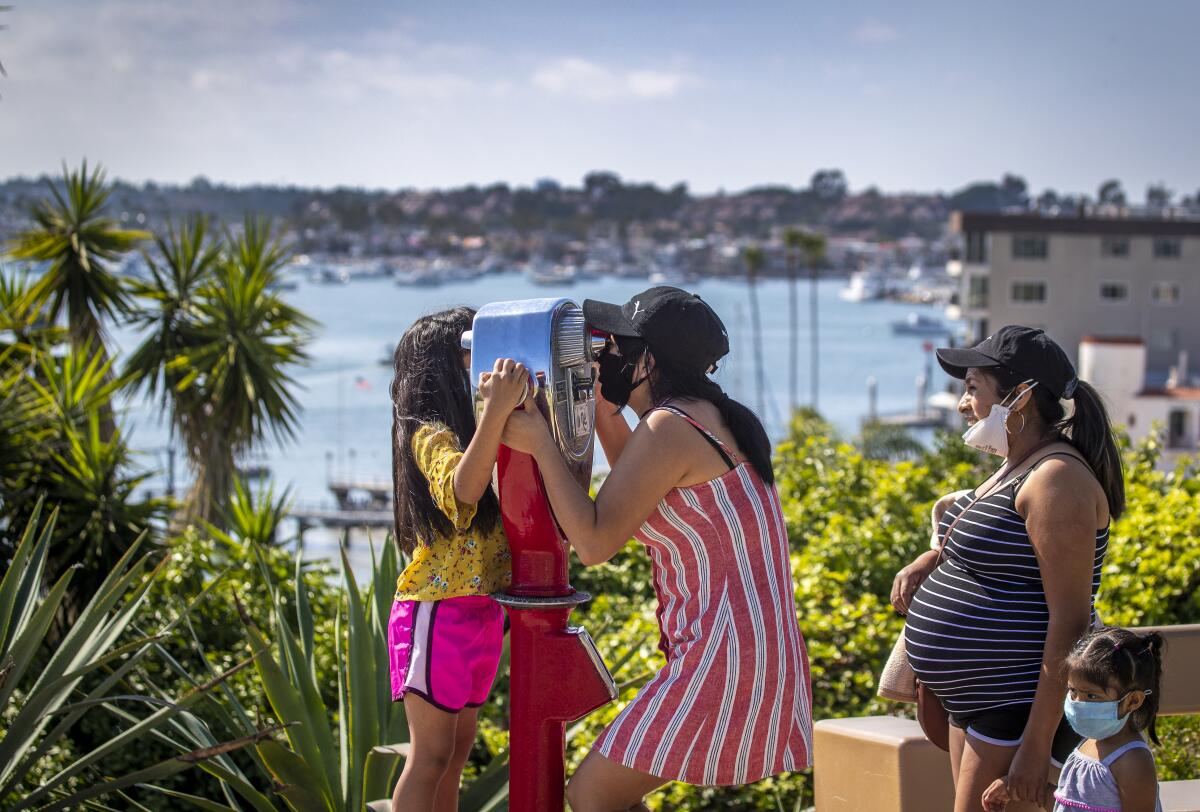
x=616 y=379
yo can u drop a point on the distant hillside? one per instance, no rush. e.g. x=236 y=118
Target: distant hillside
x=331 y=219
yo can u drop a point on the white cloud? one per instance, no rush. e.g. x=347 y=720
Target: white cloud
x=874 y=32
x=582 y=79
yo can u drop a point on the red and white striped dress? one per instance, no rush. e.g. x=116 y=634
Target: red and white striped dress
x=734 y=702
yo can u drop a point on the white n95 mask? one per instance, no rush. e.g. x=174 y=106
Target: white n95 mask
x=991 y=433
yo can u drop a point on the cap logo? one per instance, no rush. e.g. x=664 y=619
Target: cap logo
x=637 y=308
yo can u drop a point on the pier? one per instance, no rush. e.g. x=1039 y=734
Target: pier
x=363 y=504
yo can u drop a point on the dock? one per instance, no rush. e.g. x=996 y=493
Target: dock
x=930 y=420
x=363 y=504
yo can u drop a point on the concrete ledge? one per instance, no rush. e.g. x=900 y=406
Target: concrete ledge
x=1180 y=796
x=879 y=762
x=1181 y=664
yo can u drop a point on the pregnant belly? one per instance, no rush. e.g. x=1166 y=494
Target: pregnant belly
x=972 y=641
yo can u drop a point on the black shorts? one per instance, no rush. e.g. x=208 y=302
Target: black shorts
x=1006 y=727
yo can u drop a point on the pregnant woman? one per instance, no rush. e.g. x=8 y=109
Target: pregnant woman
x=694 y=484
x=1014 y=584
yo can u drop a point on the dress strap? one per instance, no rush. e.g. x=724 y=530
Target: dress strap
x=727 y=454
x=1136 y=744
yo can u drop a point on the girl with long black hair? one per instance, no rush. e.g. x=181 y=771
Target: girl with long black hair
x=445 y=634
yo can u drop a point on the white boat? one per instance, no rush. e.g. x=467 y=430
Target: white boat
x=543 y=273
x=419 y=277
x=918 y=324
x=863 y=286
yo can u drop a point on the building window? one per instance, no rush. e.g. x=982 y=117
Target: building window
x=1114 y=247
x=1114 y=292
x=1028 y=292
x=1177 y=433
x=1029 y=246
x=977 y=247
x=1165 y=293
x=977 y=292
x=1167 y=248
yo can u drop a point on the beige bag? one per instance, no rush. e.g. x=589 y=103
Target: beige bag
x=898 y=682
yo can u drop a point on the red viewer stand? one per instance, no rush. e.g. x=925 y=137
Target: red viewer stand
x=557 y=675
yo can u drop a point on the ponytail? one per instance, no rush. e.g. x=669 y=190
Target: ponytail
x=1090 y=431
x=748 y=432
x=1144 y=717
x=672 y=380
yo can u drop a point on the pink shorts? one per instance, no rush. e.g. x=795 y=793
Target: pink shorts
x=447 y=651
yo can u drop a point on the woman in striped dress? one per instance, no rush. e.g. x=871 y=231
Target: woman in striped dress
x=694 y=484
x=1013 y=586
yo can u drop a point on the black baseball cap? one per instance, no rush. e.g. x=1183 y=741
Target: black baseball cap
x=677 y=326
x=1027 y=351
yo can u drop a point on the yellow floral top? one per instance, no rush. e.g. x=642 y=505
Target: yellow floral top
x=469 y=562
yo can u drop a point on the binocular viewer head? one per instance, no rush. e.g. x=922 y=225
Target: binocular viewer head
x=551 y=338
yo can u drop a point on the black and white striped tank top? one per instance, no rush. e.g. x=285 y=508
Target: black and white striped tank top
x=976 y=628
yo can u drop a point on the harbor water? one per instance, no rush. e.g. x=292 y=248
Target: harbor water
x=345 y=424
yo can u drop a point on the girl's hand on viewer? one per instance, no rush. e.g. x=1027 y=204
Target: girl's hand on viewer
x=505 y=386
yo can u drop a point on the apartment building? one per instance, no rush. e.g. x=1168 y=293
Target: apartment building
x=1084 y=276
x=1116 y=366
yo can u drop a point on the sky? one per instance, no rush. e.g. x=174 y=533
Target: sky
x=915 y=96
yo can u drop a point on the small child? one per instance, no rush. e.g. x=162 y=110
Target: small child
x=1113 y=678
x=445 y=634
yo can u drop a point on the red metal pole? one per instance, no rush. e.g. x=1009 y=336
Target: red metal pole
x=556 y=675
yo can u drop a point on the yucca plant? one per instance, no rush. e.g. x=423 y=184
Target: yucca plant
x=24 y=326
x=253 y=519
x=332 y=760
x=55 y=429
x=40 y=688
x=326 y=767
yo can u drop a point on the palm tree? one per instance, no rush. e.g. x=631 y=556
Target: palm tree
x=78 y=242
x=187 y=259
x=230 y=374
x=792 y=240
x=754 y=258
x=812 y=243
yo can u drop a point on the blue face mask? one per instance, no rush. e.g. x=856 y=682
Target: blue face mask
x=1094 y=720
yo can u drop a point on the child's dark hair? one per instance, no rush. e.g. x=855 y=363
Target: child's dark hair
x=1127 y=661
x=429 y=385
x=672 y=380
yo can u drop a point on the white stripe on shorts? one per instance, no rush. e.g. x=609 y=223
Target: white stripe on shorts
x=418 y=661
